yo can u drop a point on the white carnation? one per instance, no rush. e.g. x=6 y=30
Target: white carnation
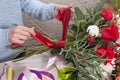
x=108 y=69
x=118 y=23
x=93 y=30
x=116 y=16
x=118 y=40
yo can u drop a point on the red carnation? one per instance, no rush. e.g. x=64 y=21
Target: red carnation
x=117 y=78
x=105 y=51
x=110 y=33
x=90 y=40
x=106 y=14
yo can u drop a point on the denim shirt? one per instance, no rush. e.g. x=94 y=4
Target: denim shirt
x=11 y=13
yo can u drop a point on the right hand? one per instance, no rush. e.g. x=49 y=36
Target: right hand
x=20 y=34
x=58 y=7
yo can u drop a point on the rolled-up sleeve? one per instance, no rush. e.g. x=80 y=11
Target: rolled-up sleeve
x=38 y=9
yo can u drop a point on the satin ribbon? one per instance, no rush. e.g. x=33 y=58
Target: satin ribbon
x=40 y=38
x=29 y=75
x=64 y=72
x=35 y=74
x=63 y=16
x=4 y=68
x=55 y=61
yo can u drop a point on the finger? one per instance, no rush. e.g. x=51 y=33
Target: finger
x=27 y=29
x=18 y=41
x=72 y=12
x=32 y=31
x=58 y=7
x=21 y=37
x=24 y=33
x=70 y=6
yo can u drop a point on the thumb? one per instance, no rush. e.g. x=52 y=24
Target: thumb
x=32 y=31
x=70 y=6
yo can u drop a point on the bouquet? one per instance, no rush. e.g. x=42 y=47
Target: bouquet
x=92 y=45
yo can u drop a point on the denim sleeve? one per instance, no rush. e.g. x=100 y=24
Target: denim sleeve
x=38 y=9
x=4 y=38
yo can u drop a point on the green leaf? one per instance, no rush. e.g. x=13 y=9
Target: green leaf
x=70 y=38
x=81 y=35
x=81 y=24
x=65 y=73
x=73 y=28
x=67 y=70
x=79 y=14
x=55 y=51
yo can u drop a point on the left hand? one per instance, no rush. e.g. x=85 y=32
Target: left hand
x=58 y=7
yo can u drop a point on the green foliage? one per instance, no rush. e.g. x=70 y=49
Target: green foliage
x=65 y=73
x=55 y=51
x=79 y=14
x=86 y=62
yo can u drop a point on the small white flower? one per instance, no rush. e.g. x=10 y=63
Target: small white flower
x=118 y=40
x=118 y=49
x=118 y=24
x=109 y=67
x=93 y=30
x=116 y=16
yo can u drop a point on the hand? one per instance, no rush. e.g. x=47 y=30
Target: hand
x=19 y=34
x=58 y=7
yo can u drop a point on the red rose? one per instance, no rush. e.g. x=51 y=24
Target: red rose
x=106 y=14
x=105 y=52
x=110 y=33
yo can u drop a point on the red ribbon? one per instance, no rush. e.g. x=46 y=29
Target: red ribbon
x=63 y=16
x=40 y=38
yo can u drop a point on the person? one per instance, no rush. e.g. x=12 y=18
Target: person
x=11 y=14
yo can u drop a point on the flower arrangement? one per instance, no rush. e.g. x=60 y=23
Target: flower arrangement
x=92 y=45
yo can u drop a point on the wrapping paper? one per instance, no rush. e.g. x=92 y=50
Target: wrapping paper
x=38 y=62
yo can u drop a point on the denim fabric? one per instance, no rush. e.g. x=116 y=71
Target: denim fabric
x=11 y=14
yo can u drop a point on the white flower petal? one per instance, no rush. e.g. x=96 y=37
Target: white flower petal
x=93 y=30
